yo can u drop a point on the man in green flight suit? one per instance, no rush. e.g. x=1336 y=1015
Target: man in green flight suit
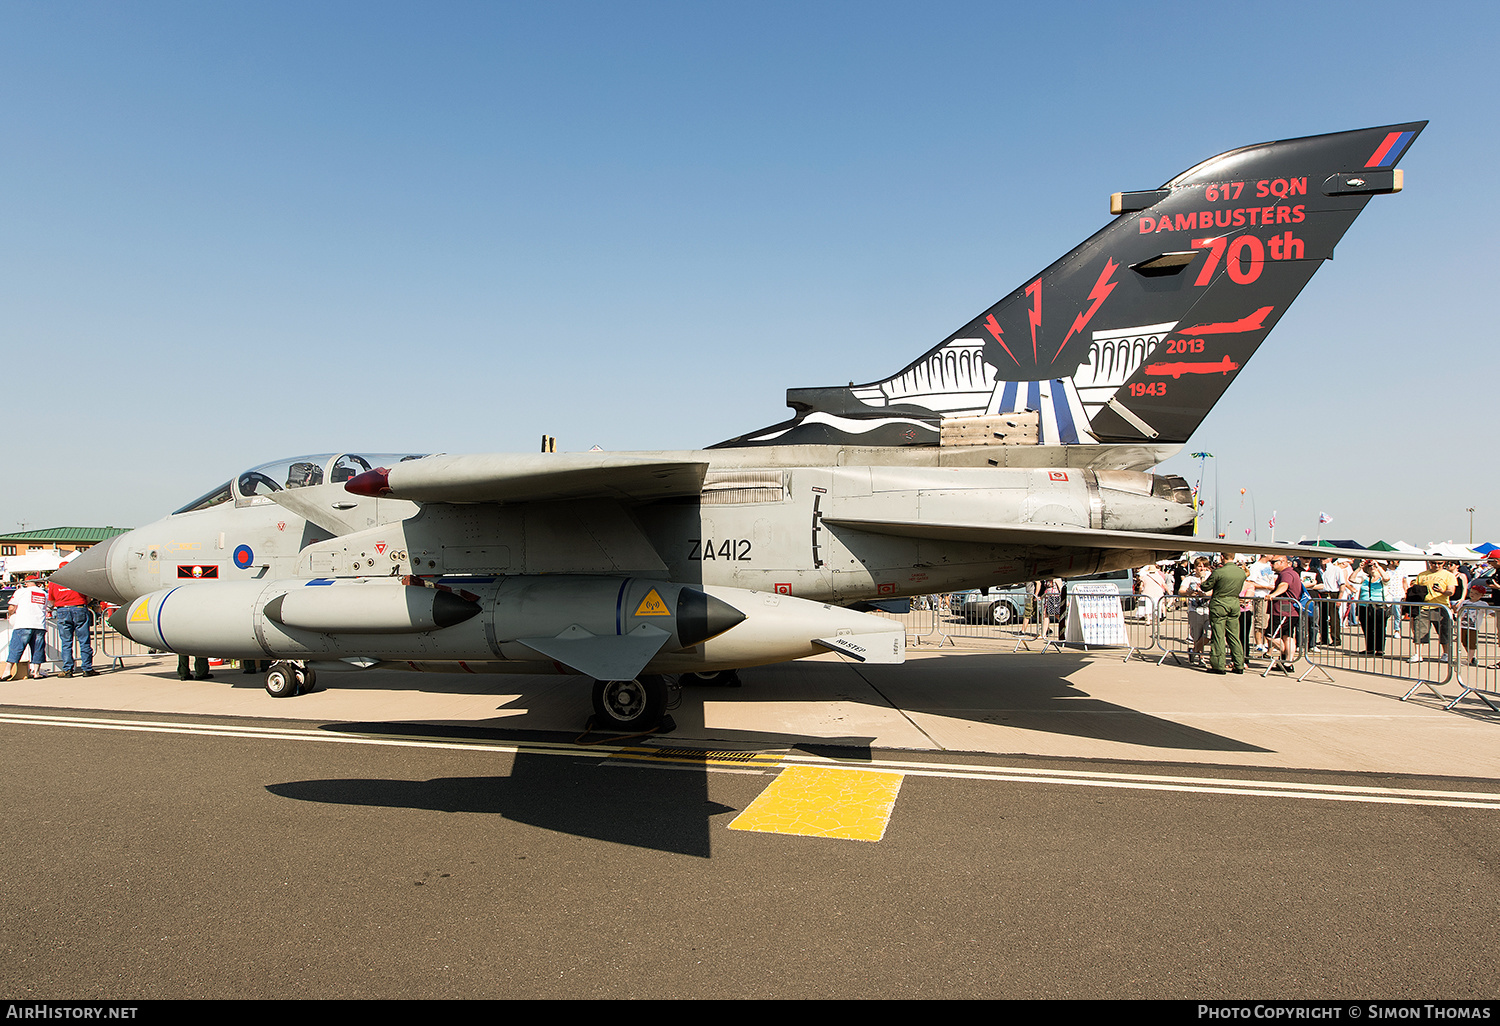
x=1225 y=584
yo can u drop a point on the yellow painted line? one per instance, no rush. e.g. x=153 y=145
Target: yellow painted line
x=758 y=762
x=824 y=802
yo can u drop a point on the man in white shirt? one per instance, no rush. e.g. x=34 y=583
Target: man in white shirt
x=1264 y=579
x=27 y=613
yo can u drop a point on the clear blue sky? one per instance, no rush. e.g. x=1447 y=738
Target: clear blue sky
x=237 y=232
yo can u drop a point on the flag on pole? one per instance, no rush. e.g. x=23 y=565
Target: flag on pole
x=1324 y=518
x=1272 y=524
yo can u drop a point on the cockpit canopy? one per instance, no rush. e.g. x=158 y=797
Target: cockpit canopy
x=257 y=483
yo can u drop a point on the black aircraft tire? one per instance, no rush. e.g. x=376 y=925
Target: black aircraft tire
x=281 y=680
x=630 y=705
x=309 y=679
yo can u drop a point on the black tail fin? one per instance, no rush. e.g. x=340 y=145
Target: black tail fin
x=1134 y=335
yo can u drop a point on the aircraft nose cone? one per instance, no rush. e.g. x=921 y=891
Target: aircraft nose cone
x=88 y=574
x=449 y=609
x=701 y=616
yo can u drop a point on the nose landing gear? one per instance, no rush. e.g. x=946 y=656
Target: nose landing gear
x=285 y=679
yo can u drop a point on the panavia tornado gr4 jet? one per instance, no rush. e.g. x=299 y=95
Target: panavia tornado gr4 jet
x=1017 y=448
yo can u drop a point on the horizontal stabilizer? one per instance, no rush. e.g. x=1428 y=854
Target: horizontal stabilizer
x=1053 y=536
x=503 y=477
x=602 y=656
x=885 y=647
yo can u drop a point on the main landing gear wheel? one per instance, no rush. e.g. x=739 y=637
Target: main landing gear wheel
x=714 y=679
x=281 y=680
x=630 y=705
x=309 y=679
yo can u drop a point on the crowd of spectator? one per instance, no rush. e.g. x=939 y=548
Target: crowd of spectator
x=1370 y=594
x=1377 y=599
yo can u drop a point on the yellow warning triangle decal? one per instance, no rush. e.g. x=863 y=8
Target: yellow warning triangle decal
x=141 y=614
x=652 y=605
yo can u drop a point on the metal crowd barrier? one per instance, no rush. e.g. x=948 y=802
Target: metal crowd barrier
x=113 y=647
x=1173 y=631
x=1380 y=641
x=1027 y=630
x=935 y=620
x=954 y=623
x=52 y=653
x=1477 y=667
x=944 y=623
x=1174 y=635
x=1142 y=624
x=1345 y=634
x=919 y=622
x=51 y=650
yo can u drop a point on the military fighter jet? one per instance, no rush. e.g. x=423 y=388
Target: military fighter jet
x=1018 y=448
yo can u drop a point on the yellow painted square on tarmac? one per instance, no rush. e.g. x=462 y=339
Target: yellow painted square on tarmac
x=816 y=801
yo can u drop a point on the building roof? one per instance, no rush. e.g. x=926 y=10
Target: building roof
x=63 y=534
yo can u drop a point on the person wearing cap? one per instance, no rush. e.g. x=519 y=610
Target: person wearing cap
x=27 y=613
x=1283 y=602
x=71 y=611
x=1153 y=589
x=1489 y=572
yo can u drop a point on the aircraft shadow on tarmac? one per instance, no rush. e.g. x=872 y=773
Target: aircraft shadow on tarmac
x=634 y=803
x=1031 y=691
x=667 y=812
x=626 y=802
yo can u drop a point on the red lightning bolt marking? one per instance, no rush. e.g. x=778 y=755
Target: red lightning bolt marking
x=1034 y=315
x=993 y=327
x=1098 y=294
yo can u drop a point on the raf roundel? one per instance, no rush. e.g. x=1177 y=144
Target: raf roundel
x=243 y=557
